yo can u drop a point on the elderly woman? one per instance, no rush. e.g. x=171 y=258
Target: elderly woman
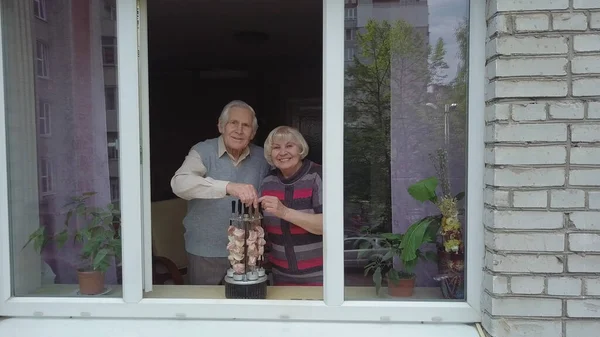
x=291 y=198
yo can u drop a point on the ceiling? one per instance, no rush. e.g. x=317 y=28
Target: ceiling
x=201 y=34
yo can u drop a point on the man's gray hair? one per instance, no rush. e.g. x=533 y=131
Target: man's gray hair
x=224 y=117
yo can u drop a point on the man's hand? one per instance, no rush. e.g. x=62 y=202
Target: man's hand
x=273 y=205
x=245 y=192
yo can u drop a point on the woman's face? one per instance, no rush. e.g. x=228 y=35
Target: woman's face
x=285 y=155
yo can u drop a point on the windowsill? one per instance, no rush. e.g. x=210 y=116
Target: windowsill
x=218 y=292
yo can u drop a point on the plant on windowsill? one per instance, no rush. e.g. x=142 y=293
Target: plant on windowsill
x=407 y=248
x=451 y=248
x=98 y=234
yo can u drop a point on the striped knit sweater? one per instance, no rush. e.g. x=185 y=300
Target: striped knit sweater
x=295 y=254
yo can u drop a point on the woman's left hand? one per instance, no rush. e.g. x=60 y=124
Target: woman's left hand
x=273 y=205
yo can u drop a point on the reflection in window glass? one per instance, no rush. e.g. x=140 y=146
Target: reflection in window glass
x=405 y=146
x=64 y=227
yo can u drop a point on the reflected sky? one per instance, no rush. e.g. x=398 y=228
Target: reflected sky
x=444 y=17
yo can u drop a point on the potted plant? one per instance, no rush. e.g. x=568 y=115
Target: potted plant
x=450 y=247
x=98 y=235
x=407 y=248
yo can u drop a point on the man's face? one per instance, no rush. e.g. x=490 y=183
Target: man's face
x=238 y=131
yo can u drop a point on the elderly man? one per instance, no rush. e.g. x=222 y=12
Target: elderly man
x=215 y=172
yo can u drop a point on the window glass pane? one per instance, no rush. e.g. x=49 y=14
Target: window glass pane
x=64 y=224
x=405 y=137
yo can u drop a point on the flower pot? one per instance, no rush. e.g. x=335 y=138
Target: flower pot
x=402 y=288
x=90 y=282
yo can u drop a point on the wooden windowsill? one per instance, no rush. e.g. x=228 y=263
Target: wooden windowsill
x=218 y=292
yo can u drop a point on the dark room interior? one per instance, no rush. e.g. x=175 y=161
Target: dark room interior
x=203 y=54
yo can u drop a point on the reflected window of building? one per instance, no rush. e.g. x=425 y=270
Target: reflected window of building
x=46 y=179
x=41 y=59
x=350 y=13
x=109 y=50
x=39 y=9
x=44 y=118
x=110 y=97
x=114 y=189
x=349 y=34
x=349 y=54
x=113 y=145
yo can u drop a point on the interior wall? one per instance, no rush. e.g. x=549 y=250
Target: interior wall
x=184 y=110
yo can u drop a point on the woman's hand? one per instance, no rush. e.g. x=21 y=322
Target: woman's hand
x=273 y=205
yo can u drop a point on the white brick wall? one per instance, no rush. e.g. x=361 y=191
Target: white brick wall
x=542 y=197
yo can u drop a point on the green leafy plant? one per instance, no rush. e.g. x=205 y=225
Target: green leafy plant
x=406 y=247
x=99 y=234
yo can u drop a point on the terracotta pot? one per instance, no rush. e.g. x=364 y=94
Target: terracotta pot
x=90 y=282
x=403 y=288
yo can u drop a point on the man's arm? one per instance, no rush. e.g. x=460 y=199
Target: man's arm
x=189 y=182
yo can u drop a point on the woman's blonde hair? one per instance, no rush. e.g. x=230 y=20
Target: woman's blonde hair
x=286 y=133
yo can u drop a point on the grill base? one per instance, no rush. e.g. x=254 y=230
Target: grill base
x=246 y=290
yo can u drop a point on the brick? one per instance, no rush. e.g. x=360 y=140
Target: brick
x=586 y=220
x=567 y=198
x=594 y=200
x=595 y=20
x=584 y=264
x=582 y=4
x=534 y=155
x=495 y=197
x=526 y=242
x=530 y=133
x=532 y=23
x=564 y=286
x=527 y=5
x=584 y=177
x=495 y=283
x=586 y=42
x=592 y=286
x=580 y=328
x=593 y=110
x=527 y=67
x=585 y=155
x=525 y=177
x=585 y=64
x=581 y=242
x=585 y=133
x=587 y=308
x=527 y=284
x=586 y=87
x=497 y=112
x=517 y=263
x=529 y=88
x=523 y=220
x=498 y=24
x=528 y=199
x=569 y=21
x=526 y=307
x=510 y=327
x=509 y=45
x=567 y=110
x=531 y=111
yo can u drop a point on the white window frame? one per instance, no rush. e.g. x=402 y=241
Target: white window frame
x=333 y=307
x=43 y=48
x=44 y=119
x=43 y=15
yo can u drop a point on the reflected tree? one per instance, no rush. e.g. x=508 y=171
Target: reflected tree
x=392 y=69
